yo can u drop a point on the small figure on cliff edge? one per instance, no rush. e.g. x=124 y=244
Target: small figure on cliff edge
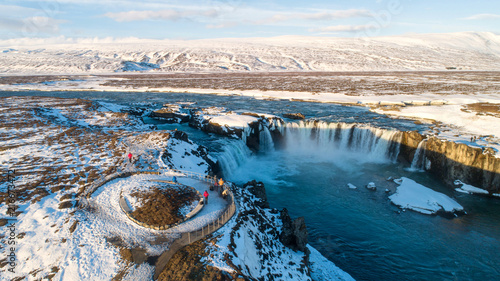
x=216 y=186
x=130 y=157
x=205 y=194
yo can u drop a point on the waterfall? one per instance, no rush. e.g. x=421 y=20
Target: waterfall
x=234 y=154
x=417 y=164
x=322 y=139
x=265 y=139
x=317 y=140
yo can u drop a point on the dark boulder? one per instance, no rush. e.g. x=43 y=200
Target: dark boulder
x=180 y=135
x=259 y=191
x=293 y=233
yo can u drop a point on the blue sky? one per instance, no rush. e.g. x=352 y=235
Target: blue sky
x=201 y=19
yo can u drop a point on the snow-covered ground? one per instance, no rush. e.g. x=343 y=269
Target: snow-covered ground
x=466 y=50
x=469 y=189
x=69 y=243
x=414 y=196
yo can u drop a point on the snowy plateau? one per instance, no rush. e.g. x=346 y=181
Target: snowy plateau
x=464 y=51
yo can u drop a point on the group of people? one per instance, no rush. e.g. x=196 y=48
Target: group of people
x=219 y=187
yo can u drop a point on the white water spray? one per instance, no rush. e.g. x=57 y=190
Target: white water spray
x=235 y=154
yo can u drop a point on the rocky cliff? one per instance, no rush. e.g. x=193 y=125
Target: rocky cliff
x=452 y=161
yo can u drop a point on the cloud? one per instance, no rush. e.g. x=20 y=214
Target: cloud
x=343 y=28
x=33 y=41
x=482 y=17
x=9 y=10
x=222 y=25
x=31 y=25
x=332 y=15
x=169 y=15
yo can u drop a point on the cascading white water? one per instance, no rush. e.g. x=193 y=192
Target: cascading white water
x=418 y=162
x=235 y=153
x=265 y=139
x=322 y=139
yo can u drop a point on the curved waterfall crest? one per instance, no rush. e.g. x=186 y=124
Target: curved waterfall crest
x=376 y=144
x=320 y=139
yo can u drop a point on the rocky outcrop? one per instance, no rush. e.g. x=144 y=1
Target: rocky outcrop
x=293 y=233
x=296 y=116
x=452 y=161
x=172 y=113
x=256 y=248
x=198 y=151
x=259 y=191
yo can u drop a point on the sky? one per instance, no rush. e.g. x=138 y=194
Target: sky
x=201 y=19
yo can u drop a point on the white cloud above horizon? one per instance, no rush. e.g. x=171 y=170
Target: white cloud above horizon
x=169 y=15
x=327 y=15
x=482 y=17
x=344 y=28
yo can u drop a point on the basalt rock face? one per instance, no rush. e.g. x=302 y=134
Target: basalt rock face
x=451 y=161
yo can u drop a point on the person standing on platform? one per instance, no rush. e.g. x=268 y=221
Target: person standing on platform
x=205 y=194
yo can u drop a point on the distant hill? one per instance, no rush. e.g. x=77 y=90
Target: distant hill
x=462 y=51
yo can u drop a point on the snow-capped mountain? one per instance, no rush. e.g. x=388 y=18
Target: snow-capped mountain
x=465 y=50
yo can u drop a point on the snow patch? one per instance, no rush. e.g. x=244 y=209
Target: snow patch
x=414 y=196
x=466 y=188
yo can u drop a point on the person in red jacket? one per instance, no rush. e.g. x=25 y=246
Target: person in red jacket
x=130 y=157
x=205 y=194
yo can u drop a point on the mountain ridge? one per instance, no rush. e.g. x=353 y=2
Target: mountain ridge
x=463 y=50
